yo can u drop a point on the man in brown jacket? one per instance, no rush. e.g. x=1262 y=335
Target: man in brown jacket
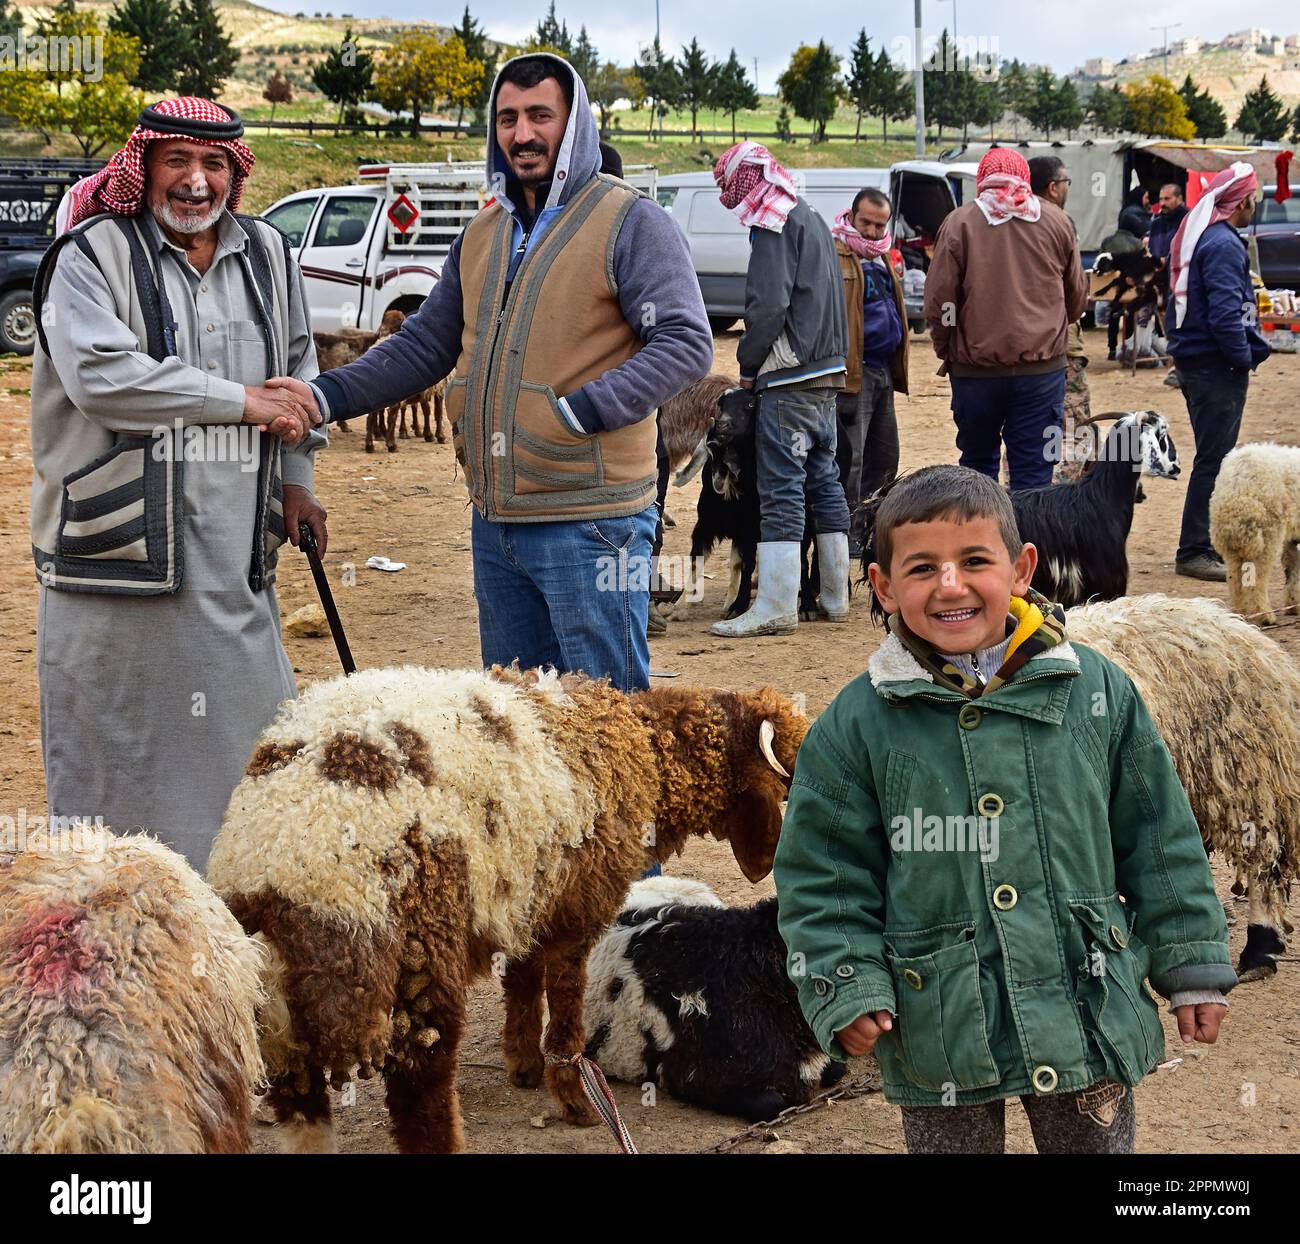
x=876 y=364
x=1004 y=284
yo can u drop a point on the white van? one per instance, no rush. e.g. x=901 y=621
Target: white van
x=720 y=243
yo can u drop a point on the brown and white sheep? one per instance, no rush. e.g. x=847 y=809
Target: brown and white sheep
x=1226 y=699
x=127 y=1003
x=1255 y=525
x=402 y=832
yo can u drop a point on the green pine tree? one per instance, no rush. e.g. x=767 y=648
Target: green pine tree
x=213 y=56
x=551 y=33
x=1017 y=94
x=474 y=38
x=734 y=92
x=860 y=81
x=1263 y=114
x=346 y=76
x=165 y=45
x=698 y=80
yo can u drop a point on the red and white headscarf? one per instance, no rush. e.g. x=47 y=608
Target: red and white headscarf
x=119 y=186
x=863 y=248
x=756 y=186
x=1227 y=192
x=1002 y=188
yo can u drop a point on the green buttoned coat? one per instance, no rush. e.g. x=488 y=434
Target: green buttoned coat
x=1002 y=875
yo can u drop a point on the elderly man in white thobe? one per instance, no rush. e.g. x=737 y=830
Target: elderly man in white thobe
x=166 y=476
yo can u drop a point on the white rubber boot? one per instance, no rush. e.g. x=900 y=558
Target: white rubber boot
x=776 y=611
x=833 y=567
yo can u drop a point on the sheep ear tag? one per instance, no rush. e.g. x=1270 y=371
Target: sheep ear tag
x=766 y=734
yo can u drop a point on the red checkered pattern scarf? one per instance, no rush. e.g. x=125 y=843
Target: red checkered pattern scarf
x=1227 y=192
x=1002 y=188
x=119 y=186
x=864 y=248
x=756 y=186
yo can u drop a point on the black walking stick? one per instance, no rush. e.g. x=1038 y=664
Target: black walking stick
x=307 y=540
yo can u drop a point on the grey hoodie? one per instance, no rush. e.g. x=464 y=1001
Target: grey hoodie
x=656 y=284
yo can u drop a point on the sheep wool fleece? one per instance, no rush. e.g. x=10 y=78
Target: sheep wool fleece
x=1001 y=874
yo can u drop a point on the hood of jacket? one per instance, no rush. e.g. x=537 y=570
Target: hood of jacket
x=577 y=161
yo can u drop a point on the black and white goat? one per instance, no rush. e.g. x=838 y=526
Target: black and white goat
x=1079 y=528
x=728 y=505
x=694 y=997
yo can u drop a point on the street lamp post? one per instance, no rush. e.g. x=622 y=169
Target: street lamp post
x=918 y=79
x=1166 y=29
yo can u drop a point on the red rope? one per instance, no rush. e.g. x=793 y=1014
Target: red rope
x=599 y=1094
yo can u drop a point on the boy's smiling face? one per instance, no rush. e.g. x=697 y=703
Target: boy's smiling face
x=953 y=581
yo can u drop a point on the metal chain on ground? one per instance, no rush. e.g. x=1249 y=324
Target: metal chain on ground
x=867 y=1083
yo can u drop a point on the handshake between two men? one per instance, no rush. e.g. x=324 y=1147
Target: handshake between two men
x=287 y=408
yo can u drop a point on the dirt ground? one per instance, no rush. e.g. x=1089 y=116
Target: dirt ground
x=1240 y=1095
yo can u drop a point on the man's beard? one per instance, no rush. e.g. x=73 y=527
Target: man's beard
x=189 y=224
x=541 y=171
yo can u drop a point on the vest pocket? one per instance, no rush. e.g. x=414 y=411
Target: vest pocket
x=548 y=455
x=104 y=506
x=454 y=399
x=1119 y=1014
x=941 y=1021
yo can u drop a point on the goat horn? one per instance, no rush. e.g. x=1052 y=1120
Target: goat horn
x=766 y=733
x=1104 y=414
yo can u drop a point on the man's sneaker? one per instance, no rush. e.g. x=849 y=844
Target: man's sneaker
x=1203 y=567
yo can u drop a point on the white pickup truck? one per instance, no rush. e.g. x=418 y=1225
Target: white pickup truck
x=380 y=244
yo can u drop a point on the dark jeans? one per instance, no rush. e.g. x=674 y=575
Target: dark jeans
x=661 y=490
x=795 y=438
x=572 y=594
x=1020 y=410
x=1216 y=397
x=868 y=416
x=1099 y=1119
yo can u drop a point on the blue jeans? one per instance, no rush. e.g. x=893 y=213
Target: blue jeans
x=572 y=594
x=1016 y=409
x=1216 y=397
x=794 y=439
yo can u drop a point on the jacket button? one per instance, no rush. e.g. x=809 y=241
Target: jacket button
x=990 y=805
x=1117 y=936
x=1045 y=1079
x=845 y=970
x=821 y=987
x=1005 y=897
x=913 y=978
x=970 y=717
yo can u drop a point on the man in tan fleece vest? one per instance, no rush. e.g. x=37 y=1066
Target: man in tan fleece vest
x=570 y=310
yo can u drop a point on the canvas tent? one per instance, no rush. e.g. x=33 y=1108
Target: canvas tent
x=1102 y=171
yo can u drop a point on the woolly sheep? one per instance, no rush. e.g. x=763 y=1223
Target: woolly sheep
x=1226 y=700
x=127 y=1003
x=403 y=831
x=1255 y=523
x=694 y=996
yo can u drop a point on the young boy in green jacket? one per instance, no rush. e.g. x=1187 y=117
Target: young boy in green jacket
x=987 y=851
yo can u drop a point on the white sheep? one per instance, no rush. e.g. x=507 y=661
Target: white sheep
x=128 y=995
x=1226 y=700
x=1255 y=523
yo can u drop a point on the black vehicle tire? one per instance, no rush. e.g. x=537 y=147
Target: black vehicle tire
x=17 y=322
x=917 y=326
x=722 y=323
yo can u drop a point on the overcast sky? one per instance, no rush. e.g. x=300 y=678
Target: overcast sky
x=1057 y=32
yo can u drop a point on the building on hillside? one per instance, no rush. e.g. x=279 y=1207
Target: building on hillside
x=1188 y=46
x=1276 y=46
x=1098 y=67
x=1250 y=38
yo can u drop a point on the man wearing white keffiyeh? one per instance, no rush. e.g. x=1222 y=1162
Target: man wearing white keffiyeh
x=1215 y=343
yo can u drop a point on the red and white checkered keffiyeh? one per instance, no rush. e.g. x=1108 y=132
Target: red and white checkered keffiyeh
x=1227 y=192
x=1002 y=188
x=119 y=186
x=756 y=186
x=864 y=248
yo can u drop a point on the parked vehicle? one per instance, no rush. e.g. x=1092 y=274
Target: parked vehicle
x=1275 y=232
x=922 y=193
x=720 y=243
x=30 y=191
x=380 y=244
